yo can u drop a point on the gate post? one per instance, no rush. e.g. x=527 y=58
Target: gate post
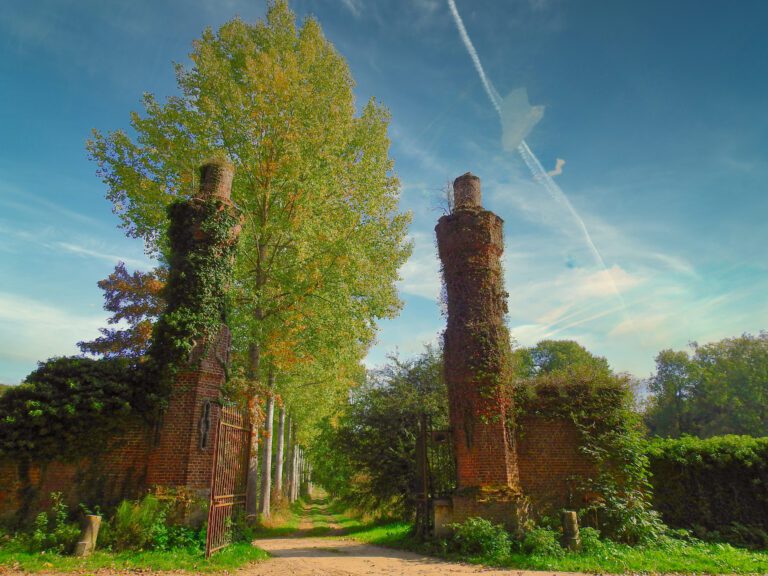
x=183 y=454
x=477 y=355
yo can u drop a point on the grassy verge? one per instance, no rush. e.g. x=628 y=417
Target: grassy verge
x=677 y=557
x=231 y=558
x=284 y=521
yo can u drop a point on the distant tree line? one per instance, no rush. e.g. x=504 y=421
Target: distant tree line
x=711 y=390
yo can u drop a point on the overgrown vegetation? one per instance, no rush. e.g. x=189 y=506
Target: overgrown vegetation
x=138 y=534
x=70 y=406
x=600 y=406
x=366 y=456
x=540 y=550
x=716 y=487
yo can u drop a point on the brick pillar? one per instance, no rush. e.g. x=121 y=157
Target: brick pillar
x=477 y=353
x=183 y=456
x=477 y=349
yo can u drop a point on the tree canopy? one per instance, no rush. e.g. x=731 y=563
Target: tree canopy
x=550 y=356
x=717 y=388
x=134 y=299
x=322 y=238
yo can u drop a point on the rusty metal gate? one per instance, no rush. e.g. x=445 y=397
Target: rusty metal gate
x=231 y=452
x=435 y=473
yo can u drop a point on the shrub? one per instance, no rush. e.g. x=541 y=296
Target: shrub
x=52 y=530
x=590 y=540
x=136 y=525
x=542 y=542
x=477 y=537
x=167 y=538
x=717 y=487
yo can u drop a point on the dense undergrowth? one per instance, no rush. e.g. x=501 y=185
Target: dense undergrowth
x=540 y=551
x=480 y=542
x=138 y=535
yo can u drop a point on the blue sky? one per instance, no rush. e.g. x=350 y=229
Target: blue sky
x=657 y=108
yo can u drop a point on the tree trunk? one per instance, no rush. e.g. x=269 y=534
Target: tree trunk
x=288 y=458
x=252 y=486
x=278 y=491
x=294 y=471
x=266 y=451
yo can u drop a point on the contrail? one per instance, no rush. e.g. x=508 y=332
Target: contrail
x=530 y=159
x=489 y=89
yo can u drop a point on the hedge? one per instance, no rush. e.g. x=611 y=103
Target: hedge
x=717 y=487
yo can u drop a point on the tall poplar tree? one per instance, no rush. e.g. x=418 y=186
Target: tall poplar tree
x=322 y=237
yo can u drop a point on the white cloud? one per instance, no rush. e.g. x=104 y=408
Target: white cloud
x=559 y=163
x=421 y=274
x=91 y=253
x=31 y=330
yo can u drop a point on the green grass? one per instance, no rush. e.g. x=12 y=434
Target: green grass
x=284 y=522
x=678 y=557
x=231 y=558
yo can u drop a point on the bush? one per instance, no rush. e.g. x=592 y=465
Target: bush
x=52 y=530
x=717 y=487
x=542 y=542
x=477 y=537
x=167 y=538
x=137 y=525
x=68 y=407
x=590 y=540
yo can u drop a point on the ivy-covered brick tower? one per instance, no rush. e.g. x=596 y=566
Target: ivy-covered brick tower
x=191 y=343
x=477 y=356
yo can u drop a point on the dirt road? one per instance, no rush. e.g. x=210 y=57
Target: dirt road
x=308 y=556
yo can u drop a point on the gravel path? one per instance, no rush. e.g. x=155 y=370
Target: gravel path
x=334 y=557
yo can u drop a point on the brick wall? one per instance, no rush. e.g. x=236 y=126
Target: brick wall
x=550 y=463
x=105 y=478
x=143 y=455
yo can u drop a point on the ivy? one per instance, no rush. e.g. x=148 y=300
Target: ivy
x=68 y=407
x=598 y=404
x=202 y=251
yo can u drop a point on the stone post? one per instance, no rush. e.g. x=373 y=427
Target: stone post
x=571 y=538
x=477 y=356
x=88 y=536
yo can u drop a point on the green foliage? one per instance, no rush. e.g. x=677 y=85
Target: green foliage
x=367 y=456
x=138 y=525
x=70 y=406
x=542 y=542
x=166 y=538
x=597 y=556
x=201 y=260
x=477 y=537
x=322 y=236
x=599 y=404
x=134 y=299
x=53 y=531
x=718 y=388
x=555 y=356
x=590 y=540
x=717 y=487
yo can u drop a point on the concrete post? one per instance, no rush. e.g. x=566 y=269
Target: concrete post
x=571 y=538
x=88 y=536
